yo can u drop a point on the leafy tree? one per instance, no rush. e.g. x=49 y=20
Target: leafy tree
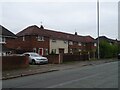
x=108 y=50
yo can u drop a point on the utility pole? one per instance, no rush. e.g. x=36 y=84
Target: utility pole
x=98 y=29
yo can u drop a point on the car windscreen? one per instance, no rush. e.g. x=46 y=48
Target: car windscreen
x=35 y=55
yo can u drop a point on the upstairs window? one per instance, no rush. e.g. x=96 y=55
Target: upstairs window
x=70 y=43
x=65 y=42
x=79 y=44
x=23 y=38
x=2 y=39
x=34 y=50
x=40 y=38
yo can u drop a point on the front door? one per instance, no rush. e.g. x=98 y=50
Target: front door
x=40 y=51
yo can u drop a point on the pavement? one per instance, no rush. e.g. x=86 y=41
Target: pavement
x=38 y=69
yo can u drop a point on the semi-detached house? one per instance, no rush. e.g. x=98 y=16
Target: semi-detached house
x=44 y=41
x=6 y=41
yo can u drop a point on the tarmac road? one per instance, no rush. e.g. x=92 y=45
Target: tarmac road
x=92 y=76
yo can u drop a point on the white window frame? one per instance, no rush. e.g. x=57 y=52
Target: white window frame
x=2 y=39
x=71 y=50
x=95 y=44
x=46 y=51
x=54 y=51
x=23 y=38
x=40 y=38
x=34 y=50
x=70 y=42
x=65 y=42
x=80 y=44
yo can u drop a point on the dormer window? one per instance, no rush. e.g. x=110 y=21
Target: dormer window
x=40 y=38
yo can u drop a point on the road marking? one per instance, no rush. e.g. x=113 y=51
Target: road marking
x=69 y=82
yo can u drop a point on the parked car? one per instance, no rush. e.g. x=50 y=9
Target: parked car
x=119 y=56
x=35 y=58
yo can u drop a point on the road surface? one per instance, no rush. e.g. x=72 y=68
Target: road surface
x=92 y=76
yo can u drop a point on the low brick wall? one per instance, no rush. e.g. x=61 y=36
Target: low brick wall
x=54 y=59
x=14 y=62
x=71 y=57
x=59 y=58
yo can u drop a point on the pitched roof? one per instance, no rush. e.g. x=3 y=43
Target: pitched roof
x=106 y=38
x=35 y=30
x=89 y=39
x=6 y=32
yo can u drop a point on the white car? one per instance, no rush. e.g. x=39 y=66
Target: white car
x=35 y=58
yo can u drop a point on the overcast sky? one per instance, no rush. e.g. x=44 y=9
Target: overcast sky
x=69 y=16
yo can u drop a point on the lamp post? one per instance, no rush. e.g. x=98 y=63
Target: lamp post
x=98 y=52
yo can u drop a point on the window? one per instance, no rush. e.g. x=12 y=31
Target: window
x=79 y=50
x=46 y=51
x=70 y=43
x=2 y=39
x=23 y=38
x=79 y=44
x=95 y=44
x=34 y=49
x=53 y=40
x=84 y=44
x=111 y=43
x=71 y=51
x=65 y=42
x=40 y=38
x=53 y=51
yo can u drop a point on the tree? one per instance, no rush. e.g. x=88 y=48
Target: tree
x=108 y=50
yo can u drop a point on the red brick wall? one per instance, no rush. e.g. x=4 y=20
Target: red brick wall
x=29 y=43
x=10 y=43
x=55 y=59
x=14 y=62
x=69 y=57
x=60 y=58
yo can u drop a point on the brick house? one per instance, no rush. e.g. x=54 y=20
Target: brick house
x=32 y=39
x=44 y=41
x=7 y=40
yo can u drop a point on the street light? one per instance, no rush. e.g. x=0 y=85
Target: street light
x=98 y=28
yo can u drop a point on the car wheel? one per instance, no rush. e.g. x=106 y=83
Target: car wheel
x=33 y=62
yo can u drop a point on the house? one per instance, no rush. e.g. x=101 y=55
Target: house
x=45 y=41
x=32 y=39
x=110 y=41
x=7 y=40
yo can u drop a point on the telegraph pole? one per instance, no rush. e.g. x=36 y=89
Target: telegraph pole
x=98 y=29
